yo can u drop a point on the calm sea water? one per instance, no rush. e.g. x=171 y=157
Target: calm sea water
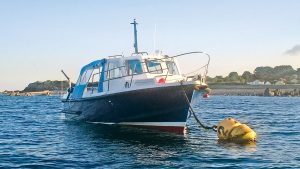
x=34 y=133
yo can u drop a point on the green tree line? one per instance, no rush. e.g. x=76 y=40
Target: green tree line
x=285 y=73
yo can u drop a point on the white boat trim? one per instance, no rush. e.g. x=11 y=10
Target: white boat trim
x=137 y=88
x=167 y=124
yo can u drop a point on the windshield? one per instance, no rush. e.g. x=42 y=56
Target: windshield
x=154 y=67
x=84 y=78
x=172 y=68
x=134 y=67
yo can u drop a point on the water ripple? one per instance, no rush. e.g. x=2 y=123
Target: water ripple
x=34 y=134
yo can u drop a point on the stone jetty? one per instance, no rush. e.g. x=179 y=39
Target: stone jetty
x=255 y=90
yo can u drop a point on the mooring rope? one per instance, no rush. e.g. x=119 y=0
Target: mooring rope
x=214 y=127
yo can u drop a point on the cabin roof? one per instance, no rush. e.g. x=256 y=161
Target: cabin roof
x=101 y=62
x=92 y=65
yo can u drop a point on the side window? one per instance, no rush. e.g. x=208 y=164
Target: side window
x=94 y=80
x=133 y=67
x=83 y=79
x=154 y=67
x=172 y=68
x=115 y=70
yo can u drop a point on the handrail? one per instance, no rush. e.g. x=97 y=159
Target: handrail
x=93 y=81
x=113 y=56
x=108 y=73
x=168 y=70
x=168 y=58
x=140 y=62
x=140 y=53
x=163 y=60
x=135 y=75
x=205 y=66
x=132 y=74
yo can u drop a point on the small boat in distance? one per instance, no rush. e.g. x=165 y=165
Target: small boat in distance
x=146 y=90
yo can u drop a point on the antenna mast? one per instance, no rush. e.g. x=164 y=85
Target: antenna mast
x=135 y=37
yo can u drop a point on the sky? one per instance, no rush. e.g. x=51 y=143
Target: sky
x=39 y=38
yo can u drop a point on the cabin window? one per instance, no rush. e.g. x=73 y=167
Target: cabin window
x=93 y=83
x=172 y=68
x=114 y=70
x=154 y=67
x=134 y=67
x=83 y=79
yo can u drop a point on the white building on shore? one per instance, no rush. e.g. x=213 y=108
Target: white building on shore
x=256 y=82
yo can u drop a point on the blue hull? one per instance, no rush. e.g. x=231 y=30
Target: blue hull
x=160 y=106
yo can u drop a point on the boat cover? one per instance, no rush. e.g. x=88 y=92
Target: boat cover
x=79 y=88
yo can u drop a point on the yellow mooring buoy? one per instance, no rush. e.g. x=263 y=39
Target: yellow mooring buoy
x=230 y=130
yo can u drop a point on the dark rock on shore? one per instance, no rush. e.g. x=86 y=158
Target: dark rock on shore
x=255 y=90
x=268 y=92
x=47 y=85
x=38 y=88
x=279 y=92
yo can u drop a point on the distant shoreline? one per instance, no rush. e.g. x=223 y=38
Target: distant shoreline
x=216 y=89
x=37 y=93
x=251 y=90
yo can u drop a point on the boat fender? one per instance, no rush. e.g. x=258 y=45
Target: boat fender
x=233 y=131
x=206 y=95
x=202 y=88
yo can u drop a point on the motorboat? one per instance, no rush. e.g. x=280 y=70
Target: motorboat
x=144 y=90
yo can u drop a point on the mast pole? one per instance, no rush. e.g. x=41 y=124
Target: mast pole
x=135 y=37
